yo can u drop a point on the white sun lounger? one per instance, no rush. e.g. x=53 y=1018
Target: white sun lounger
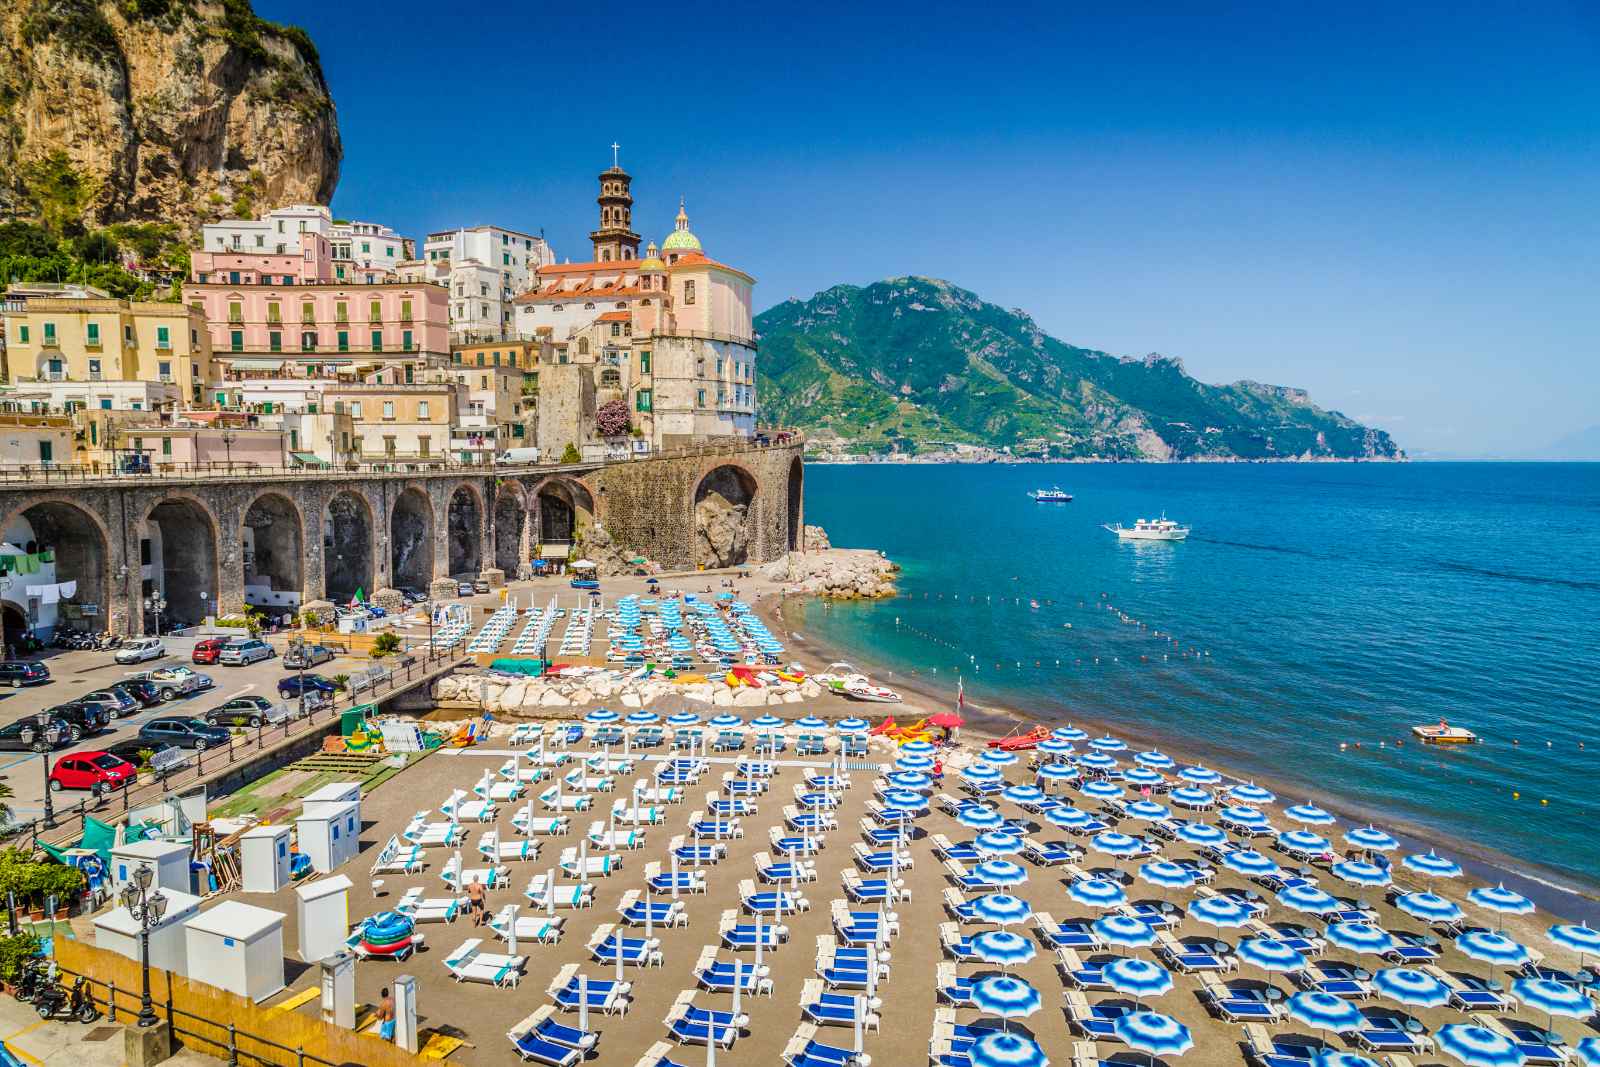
x=659 y=794
x=399 y=858
x=621 y=837
x=469 y=964
x=457 y=877
x=555 y=800
x=545 y=929
x=422 y=909
x=491 y=788
x=514 y=770
x=426 y=834
x=593 y=866
x=491 y=848
x=570 y=895
x=526 y=822
x=456 y=806
x=644 y=814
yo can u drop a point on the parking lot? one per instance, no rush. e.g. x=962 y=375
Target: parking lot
x=73 y=674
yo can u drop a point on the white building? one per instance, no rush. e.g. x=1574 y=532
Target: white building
x=355 y=244
x=483 y=267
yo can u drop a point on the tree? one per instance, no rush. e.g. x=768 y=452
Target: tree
x=611 y=419
x=5 y=795
x=97 y=247
x=25 y=239
x=385 y=644
x=570 y=455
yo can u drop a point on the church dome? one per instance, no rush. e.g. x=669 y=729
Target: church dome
x=680 y=239
x=652 y=262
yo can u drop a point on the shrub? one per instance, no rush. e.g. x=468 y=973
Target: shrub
x=570 y=454
x=13 y=950
x=385 y=644
x=341 y=682
x=611 y=419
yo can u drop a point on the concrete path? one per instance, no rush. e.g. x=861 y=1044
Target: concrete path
x=36 y=1041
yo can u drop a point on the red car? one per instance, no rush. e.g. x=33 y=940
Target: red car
x=95 y=771
x=208 y=650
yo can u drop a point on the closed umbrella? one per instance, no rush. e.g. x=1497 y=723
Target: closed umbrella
x=1478 y=1046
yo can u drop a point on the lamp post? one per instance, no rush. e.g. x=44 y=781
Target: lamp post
x=227 y=444
x=156 y=603
x=46 y=733
x=147 y=908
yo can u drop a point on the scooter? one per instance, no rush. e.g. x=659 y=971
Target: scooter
x=77 y=1004
x=30 y=980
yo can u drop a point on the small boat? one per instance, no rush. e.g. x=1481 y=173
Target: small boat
x=1019 y=742
x=861 y=689
x=1053 y=495
x=1442 y=733
x=1162 y=529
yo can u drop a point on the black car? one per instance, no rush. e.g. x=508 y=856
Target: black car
x=25 y=735
x=141 y=690
x=20 y=672
x=113 y=703
x=314 y=683
x=83 y=718
x=306 y=656
x=184 y=732
x=245 y=711
x=131 y=748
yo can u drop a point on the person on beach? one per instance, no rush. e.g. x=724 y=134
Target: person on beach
x=475 y=901
x=386 y=1015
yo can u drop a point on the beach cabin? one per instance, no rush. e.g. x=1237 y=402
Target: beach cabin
x=330 y=834
x=168 y=859
x=237 y=947
x=264 y=857
x=117 y=931
x=332 y=793
x=322 y=910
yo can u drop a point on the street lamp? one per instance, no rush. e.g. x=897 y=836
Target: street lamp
x=46 y=733
x=156 y=603
x=147 y=908
x=227 y=444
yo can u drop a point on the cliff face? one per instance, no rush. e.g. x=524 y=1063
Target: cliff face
x=177 y=111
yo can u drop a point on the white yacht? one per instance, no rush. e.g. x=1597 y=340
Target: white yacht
x=1162 y=529
x=1054 y=495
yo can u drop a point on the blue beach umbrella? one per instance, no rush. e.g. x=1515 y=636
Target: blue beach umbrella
x=1243 y=815
x=1250 y=863
x=1153 y=1032
x=1332 y=1057
x=1054 y=746
x=1270 y=954
x=1553 y=998
x=852 y=725
x=1219 y=912
x=1108 y=744
x=1431 y=865
x=914 y=763
x=1492 y=948
x=981 y=772
x=1500 y=899
x=766 y=722
x=910 y=780
x=1005 y=996
x=1579 y=937
x=1068 y=818
x=1023 y=794
x=724 y=722
x=1189 y=796
x=1113 y=843
x=980 y=817
x=1360 y=937
x=1097 y=761
x=1057 y=772
x=1136 y=978
x=1478 y=1046
x=904 y=800
x=1069 y=733
x=1250 y=793
x=1165 y=874
x=1407 y=985
x=1358 y=873
x=1589 y=1051
x=1101 y=789
x=1148 y=811
x=1429 y=907
x=1142 y=777
x=1002 y=948
x=1002 y=909
x=1002 y=1048
x=919 y=748
x=997 y=843
x=601 y=716
x=1324 y=1011
x=1155 y=760
x=1309 y=814
x=1304 y=840
x=1200 y=775
x=643 y=718
x=1201 y=833
x=998 y=757
x=1307 y=898
x=682 y=718
x=1000 y=872
x=1124 y=930
x=811 y=722
x=1371 y=839
x=1097 y=892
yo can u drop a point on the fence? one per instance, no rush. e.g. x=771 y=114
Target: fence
x=196 y=1011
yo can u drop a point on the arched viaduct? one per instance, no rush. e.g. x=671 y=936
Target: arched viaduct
x=199 y=541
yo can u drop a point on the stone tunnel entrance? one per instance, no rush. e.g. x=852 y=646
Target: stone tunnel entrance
x=347 y=547
x=80 y=552
x=182 y=562
x=724 y=520
x=796 y=517
x=563 y=509
x=273 y=545
x=466 y=534
x=411 y=541
x=509 y=519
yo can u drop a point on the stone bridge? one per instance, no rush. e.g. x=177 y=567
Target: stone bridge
x=307 y=537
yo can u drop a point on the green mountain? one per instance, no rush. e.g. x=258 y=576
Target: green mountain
x=906 y=363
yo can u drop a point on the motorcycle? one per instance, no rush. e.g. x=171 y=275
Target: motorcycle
x=77 y=1003
x=30 y=980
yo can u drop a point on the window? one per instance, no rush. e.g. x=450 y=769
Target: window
x=274 y=311
x=275 y=340
x=405 y=311
x=719 y=366
x=344 y=340
x=641 y=400
x=163 y=337
x=200 y=277
x=480 y=359
x=461 y=289
x=377 y=340
x=164 y=371
x=308 y=341
x=583 y=346
x=408 y=374
x=406 y=341
x=47 y=452
x=699 y=398
x=366 y=246
x=688 y=292
x=341 y=312
x=505 y=259
x=388 y=409
x=92 y=334
x=233 y=277
x=616 y=329
x=497 y=359
x=644 y=362
x=456 y=358
x=94 y=370
x=22 y=335
x=308 y=312
x=166 y=446
x=375 y=311
x=56 y=366
x=422 y=410
x=483 y=381
x=236 y=340
x=49 y=333
x=355 y=409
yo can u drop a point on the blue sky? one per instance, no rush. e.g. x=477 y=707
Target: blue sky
x=1392 y=205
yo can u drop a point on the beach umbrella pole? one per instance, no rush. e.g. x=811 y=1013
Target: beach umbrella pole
x=550 y=892
x=674 y=874
x=583 y=1002
x=861 y=1008
x=511 y=929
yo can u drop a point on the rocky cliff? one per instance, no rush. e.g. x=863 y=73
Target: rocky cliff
x=178 y=111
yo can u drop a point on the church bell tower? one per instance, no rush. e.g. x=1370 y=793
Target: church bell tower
x=615 y=238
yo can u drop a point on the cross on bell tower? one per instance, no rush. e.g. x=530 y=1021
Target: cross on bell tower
x=615 y=239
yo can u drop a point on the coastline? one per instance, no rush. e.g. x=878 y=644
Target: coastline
x=1556 y=893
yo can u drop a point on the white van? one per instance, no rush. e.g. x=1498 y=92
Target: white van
x=518 y=455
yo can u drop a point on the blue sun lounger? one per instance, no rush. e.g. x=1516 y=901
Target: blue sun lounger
x=794 y=845
x=817 y=800
x=1089 y=976
x=835 y=1009
x=699 y=854
x=744 y=787
x=718 y=976
x=1411 y=949
x=1158 y=915
x=878 y=862
x=1051 y=853
x=663 y=882
x=869 y=891
x=1535 y=1047
x=656 y=912
x=961 y=852
x=1335 y=978
x=1384 y=1034
x=743 y=936
x=690 y=1025
x=603 y=994
x=535 y=1049
x=784 y=871
x=815 y=1054
x=540 y=1035
x=956 y=991
x=1073 y=934
x=1095 y=1021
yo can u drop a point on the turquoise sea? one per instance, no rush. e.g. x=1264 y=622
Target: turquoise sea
x=1315 y=606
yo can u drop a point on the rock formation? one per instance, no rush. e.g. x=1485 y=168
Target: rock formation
x=721 y=533
x=179 y=111
x=837 y=573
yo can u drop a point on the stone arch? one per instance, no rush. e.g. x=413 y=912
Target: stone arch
x=272 y=543
x=724 y=516
x=81 y=544
x=347 y=545
x=465 y=518
x=796 y=514
x=563 y=507
x=411 y=540
x=511 y=545
x=182 y=554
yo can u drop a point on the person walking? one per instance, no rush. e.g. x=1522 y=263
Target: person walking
x=386 y=1015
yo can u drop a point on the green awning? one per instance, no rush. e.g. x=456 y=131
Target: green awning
x=257 y=364
x=309 y=459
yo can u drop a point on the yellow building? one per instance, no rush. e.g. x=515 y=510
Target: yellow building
x=98 y=338
x=395 y=421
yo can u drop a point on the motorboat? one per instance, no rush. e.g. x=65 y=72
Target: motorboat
x=1054 y=495
x=1442 y=733
x=861 y=689
x=1162 y=529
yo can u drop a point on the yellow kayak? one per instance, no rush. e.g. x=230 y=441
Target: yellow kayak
x=733 y=680
x=689 y=679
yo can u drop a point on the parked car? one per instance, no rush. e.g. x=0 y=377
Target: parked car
x=184 y=732
x=480 y=585
x=207 y=649
x=142 y=691
x=113 y=704
x=20 y=672
x=94 y=771
x=84 y=718
x=177 y=681
x=140 y=649
x=463 y=589
x=246 y=711
x=26 y=735
x=239 y=653
x=306 y=656
x=129 y=749
x=290 y=687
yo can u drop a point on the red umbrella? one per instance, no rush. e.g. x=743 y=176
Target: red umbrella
x=948 y=720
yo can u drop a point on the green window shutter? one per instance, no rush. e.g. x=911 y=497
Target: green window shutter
x=22 y=334
x=377 y=340
x=344 y=340
x=236 y=339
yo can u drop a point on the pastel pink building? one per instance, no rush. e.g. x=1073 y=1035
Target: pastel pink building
x=312 y=265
